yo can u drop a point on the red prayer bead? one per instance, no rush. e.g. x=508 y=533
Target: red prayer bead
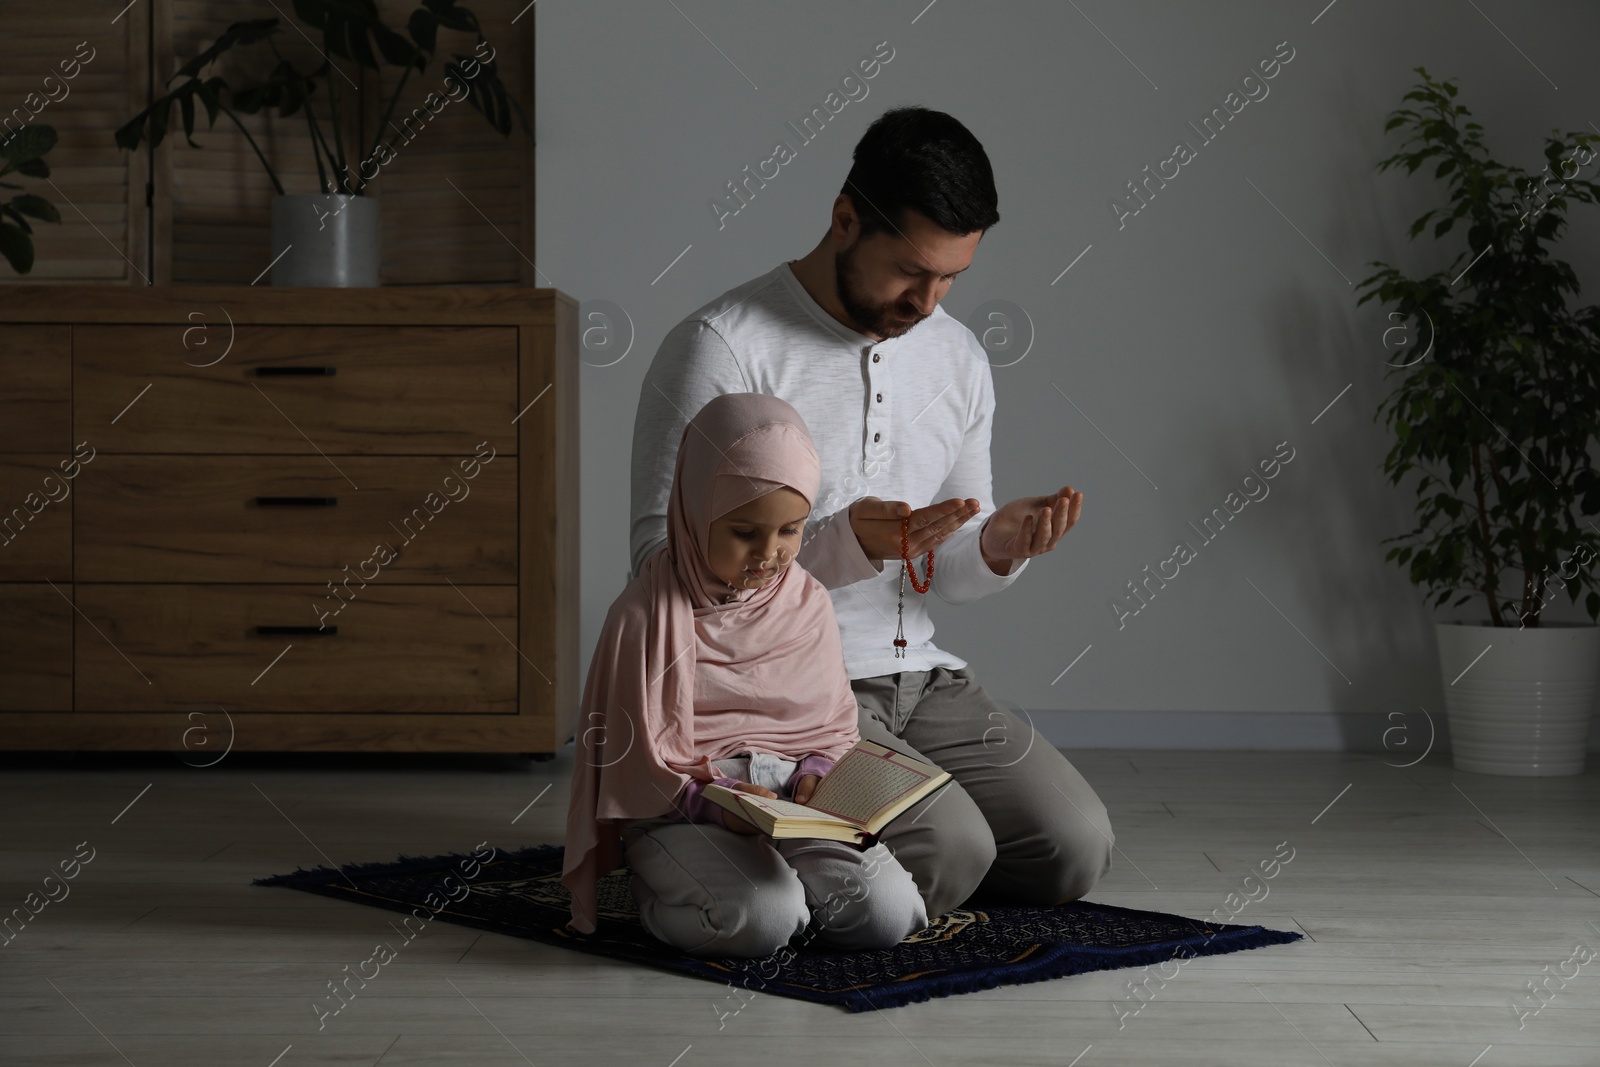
x=925 y=583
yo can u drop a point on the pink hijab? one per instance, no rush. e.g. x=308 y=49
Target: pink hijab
x=763 y=668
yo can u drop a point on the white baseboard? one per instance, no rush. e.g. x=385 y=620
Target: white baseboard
x=1248 y=731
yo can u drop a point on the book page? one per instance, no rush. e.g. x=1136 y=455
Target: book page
x=864 y=783
x=787 y=809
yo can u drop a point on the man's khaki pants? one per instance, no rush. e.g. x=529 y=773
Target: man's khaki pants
x=1018 y=825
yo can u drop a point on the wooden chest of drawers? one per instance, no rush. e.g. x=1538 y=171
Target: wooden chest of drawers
x=310 y=519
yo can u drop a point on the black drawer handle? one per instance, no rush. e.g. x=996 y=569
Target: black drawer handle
x=296 y=501
x=288 y=372
x=298 y=631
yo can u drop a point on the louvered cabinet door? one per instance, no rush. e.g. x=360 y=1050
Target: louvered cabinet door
x=76 y=68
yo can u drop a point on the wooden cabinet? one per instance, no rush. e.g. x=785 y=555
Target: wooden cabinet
x=35 y=519
x=346 y=518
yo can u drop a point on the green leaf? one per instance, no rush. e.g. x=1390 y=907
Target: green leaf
x=424 y=29
x=186 y=103
x=207 y=92
x=158 y=120
x=16 y=217
x=36 y=206
x=451 y=16
x=16 y=247
x=240 y=33
x=27 y=144
x=396 y=50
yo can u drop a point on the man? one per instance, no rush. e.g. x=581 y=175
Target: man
x=899 y=400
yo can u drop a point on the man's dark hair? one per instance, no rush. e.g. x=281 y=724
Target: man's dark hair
x=925 y=160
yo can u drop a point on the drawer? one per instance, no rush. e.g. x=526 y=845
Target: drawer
x=36 y=502
x=297 y=519
x=396 y=648
x=36 y=389
x=35 y=647
x=297 y=390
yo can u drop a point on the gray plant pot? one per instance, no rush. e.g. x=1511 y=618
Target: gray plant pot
x=332 y=240
x=1520 y=701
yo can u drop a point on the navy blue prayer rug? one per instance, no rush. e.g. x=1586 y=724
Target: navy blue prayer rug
x=980 y=947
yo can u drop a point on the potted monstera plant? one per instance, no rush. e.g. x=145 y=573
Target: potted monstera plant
x=332 y=235
x=1495 y=412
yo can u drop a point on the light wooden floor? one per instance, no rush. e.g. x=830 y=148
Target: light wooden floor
x=1424 y=924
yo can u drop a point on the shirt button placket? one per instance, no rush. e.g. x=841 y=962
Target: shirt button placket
x=876 y=414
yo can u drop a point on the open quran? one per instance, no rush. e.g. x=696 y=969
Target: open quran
x=867 y=789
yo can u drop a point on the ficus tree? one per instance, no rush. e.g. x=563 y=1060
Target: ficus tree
x=1497 y=412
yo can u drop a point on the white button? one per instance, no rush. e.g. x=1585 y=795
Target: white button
x=876 y=357
x=877 y=436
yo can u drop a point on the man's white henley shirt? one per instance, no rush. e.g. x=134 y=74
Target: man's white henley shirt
x=906 y=418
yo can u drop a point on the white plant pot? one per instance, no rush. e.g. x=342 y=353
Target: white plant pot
x=332 y=240
x=1524 y=707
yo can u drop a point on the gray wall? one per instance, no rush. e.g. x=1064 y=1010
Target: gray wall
x=1196 y=337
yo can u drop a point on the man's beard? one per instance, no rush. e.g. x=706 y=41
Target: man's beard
x=881 y=320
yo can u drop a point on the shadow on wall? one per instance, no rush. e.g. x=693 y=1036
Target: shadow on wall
x=1369 y=619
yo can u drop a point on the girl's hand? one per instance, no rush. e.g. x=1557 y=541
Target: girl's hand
x=744 y=826
x=806 y=786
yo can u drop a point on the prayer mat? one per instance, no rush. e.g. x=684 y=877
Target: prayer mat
x=978 y=947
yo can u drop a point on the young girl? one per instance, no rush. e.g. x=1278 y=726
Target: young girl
x=721 y=662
